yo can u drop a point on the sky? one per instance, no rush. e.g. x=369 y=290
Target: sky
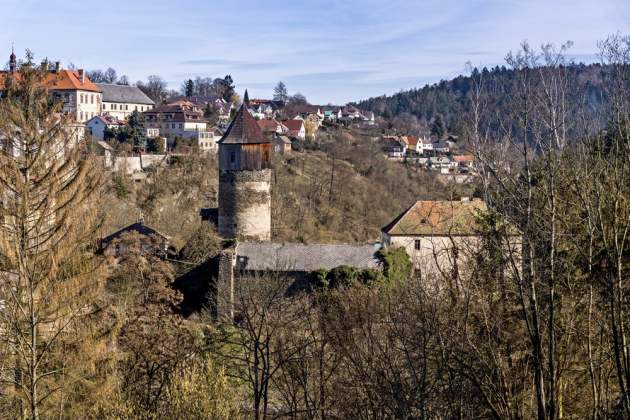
x=330 y=51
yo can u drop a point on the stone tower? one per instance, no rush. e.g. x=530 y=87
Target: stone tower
x=245 y=179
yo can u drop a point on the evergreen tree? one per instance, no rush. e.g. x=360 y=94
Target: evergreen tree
x=137 y=123
x=438 y=128
x=189 y=88
x=50 y=186
x=228 y=88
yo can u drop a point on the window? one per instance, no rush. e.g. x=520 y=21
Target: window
x=126 y=107
x=92 y=99
x=81 y=115
x=103 y=107
x=173 y=126
x=81 y=98
x=66 y=98
x=417 y=244
x=142 y=108
x=232 y=157
x=136 y=107
x=180 y=126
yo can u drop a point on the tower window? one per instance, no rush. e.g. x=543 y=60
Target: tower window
x=232 y=157
x=417 y=244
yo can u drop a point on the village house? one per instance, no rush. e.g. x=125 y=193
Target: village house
x=331 y=113
x=393 y=147
x=445 y=146
x=141 y=229
x=296 y=128
x=304 y=111
x=182 y=119
x=121 y=100
x=441 y=163
x=436 y=234
x=96 y=126
x=352 y=114
x=462 y=162
x=281 y=145
x=271 y=126
x=81 y=97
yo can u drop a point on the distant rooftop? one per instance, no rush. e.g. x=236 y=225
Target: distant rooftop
x=304 y=257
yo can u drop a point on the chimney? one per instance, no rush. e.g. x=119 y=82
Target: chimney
x=81 y=76
x=45 y=64
x=58 y=67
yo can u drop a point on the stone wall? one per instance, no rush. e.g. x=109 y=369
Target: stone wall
x=136 y=163
x=225 y=284
x=245 y=204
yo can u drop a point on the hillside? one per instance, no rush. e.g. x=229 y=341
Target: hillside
x=415 y=109
x=340 y=190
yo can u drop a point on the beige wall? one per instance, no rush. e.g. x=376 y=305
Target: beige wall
x=123 y=110
x=85 y=103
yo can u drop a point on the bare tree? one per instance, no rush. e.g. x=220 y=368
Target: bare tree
x=254 y=349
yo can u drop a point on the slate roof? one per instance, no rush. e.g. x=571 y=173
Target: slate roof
x=304 y=257
x=244 y=129
x=140 y=228
x=123 y=93
x=437 y=218
x=387 y=141
x=306 y=109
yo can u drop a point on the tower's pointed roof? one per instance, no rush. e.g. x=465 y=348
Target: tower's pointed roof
x=244 y=128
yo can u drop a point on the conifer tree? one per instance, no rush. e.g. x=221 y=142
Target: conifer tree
x=49 y=185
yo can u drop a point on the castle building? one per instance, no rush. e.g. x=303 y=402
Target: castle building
x=81 y=97
x=245 y=180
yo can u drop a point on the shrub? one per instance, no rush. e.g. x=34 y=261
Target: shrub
x=397 y=265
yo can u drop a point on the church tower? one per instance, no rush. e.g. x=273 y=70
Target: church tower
x=12 y=62
x=245 y=179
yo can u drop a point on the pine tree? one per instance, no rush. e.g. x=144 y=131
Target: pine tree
x=190 y=90
x=137 y=123
x=228 y=88
x=49 y=185
x=438 y=128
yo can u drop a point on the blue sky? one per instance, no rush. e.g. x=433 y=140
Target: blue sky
x=331 y=51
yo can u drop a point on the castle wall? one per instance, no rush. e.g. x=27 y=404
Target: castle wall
x=245 y=204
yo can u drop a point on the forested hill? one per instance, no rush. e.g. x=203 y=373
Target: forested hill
x=448 y=98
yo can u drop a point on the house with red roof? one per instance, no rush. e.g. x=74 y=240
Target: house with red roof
x=296 y=127
x=81 y=97
x=96 y=126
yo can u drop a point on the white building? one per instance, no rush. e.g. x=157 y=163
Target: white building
x=121 y=100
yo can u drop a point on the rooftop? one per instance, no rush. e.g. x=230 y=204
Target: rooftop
x=123 y=93
x=438 y=218
x=304 y=257
x=244 y=129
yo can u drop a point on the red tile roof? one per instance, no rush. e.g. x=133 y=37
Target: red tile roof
x=65 y=80
x=438 y=218
x=462 y=158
